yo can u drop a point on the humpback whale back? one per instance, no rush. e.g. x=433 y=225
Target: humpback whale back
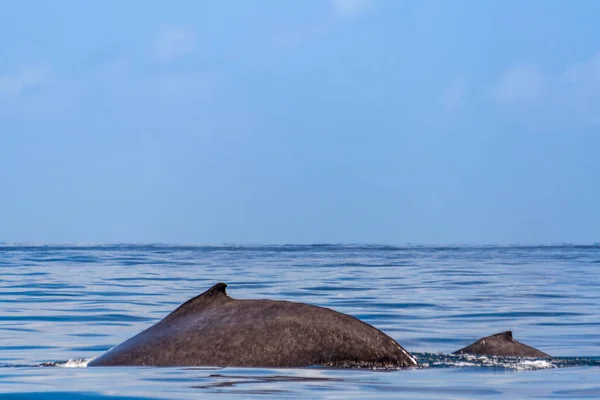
x=214 y=329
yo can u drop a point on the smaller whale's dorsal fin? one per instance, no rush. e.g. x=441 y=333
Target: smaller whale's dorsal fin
x=215 y=293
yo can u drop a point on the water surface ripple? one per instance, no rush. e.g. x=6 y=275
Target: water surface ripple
x=62 y=303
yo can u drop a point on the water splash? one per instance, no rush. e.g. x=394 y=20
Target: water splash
x=72 y=363
x=429 y=360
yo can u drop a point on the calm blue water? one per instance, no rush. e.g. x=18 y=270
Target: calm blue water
x=61 y=306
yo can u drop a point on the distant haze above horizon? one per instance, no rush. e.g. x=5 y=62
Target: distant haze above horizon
x=317 y=121
x=290 y=246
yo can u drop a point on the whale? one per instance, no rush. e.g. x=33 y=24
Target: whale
x=501 y=345
x=213 y=329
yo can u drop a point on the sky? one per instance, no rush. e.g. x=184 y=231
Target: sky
x=300 y=121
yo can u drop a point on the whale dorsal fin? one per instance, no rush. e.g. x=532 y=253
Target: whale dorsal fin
x=507 y=335
x=216 y=289
x=215 y=294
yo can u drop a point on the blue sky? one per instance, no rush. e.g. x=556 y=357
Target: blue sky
x=306 y=121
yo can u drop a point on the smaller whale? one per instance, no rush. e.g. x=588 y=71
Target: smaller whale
x=502 y=345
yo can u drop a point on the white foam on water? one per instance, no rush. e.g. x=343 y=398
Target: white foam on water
x=75 y=363
x=534 y=364
x=520 y=365
x=469 y=360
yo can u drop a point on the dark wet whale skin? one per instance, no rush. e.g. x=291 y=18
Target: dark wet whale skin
x=502 y=345
x=213 y=329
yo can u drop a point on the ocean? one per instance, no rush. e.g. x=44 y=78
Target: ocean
x=63 y=305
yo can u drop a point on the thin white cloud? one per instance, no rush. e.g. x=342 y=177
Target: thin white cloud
x=337 y=12
x=579 y=90
x=448 y=112
x=348 y=10
x=15 y=84
x=454 y=97
x=521 y=84
x=569 y=96
x=584 y=77
x=36 y=93
x=174 y=43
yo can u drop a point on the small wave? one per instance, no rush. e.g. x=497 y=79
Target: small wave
x=429 y=360
x=72 y=363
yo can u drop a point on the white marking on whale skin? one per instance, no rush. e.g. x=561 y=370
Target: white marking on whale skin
x=483 y=342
